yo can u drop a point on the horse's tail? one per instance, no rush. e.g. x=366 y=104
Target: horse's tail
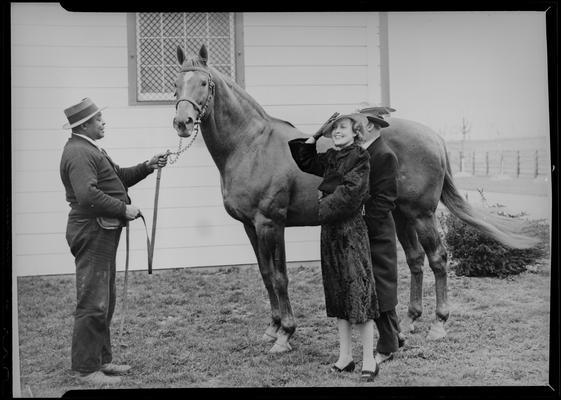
x=502 y=229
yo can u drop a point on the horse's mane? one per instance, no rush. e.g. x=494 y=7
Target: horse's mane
x=243 y=93
x=194 y=61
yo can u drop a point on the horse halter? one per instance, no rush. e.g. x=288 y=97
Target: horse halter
x=201 y=110
x=174 y=156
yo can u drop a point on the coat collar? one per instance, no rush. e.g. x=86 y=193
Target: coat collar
x=82 y=137
x=345 y=151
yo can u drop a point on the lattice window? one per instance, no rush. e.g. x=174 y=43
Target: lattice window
x=157 y=37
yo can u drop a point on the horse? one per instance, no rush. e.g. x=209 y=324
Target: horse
x=264 y=189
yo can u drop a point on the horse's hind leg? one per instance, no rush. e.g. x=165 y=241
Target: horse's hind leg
x=270 y=243
x=265 y=269
x=429 y=237
x=415 y=256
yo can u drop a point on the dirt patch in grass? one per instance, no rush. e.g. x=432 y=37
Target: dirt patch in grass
x=203 y=327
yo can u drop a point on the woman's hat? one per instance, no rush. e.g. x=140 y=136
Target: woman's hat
x=375 y=114
x=80 y=113
x=355 y=117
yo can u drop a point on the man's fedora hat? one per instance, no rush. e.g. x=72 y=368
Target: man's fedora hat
x=355 y=117
x=80 y=113
x=375 y=114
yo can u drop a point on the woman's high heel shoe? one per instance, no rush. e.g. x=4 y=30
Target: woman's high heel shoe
x=368 y=376
x=350 y=367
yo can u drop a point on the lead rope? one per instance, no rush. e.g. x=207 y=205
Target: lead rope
x=173 y=156
x=150 y=243
x=120 y=334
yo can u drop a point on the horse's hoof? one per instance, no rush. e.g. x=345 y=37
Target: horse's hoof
x=280 y=348
x=437 y=331
x=268 y=337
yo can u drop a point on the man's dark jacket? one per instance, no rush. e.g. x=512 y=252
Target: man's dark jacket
x=95 y=186
x=380 y=223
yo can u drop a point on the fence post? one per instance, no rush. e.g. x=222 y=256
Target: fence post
x=536 y=164
x=501 y=163
x=517 y=163
x=486 y=163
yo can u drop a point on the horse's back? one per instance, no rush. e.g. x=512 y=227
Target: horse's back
x=421 y=155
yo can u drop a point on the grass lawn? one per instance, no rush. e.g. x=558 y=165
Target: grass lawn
x=202 y=328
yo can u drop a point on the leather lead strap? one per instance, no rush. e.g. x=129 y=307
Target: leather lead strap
x=154 y=220
x=124 y=312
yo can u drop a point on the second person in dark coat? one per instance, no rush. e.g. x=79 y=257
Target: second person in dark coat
x=381 y=231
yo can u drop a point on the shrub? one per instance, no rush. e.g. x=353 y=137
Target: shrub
x=476 y=255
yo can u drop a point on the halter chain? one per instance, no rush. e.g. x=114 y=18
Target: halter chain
x=173 y=156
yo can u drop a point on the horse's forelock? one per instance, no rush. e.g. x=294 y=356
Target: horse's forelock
x=192 y=61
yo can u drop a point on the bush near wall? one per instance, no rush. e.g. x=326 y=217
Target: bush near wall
x=475 y=255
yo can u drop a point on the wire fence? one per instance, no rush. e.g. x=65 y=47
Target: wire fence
x=527 y=163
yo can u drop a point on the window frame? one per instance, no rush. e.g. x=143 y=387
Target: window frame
x=132 y=58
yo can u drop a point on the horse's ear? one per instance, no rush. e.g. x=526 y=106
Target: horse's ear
x=203 y=54
x=180 y=55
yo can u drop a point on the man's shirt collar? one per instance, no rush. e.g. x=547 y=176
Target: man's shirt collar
x=88 y=139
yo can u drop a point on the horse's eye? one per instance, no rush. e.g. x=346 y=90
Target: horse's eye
x=203 y=83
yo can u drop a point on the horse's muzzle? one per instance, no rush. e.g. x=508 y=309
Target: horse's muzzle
x=184 y=128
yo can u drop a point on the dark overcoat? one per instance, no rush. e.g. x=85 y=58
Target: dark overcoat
x=380 y=223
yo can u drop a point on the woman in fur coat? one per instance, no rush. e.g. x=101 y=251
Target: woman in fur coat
x=349 y=286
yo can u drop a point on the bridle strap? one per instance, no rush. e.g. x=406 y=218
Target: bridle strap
x=193 y=102
x=200 y=110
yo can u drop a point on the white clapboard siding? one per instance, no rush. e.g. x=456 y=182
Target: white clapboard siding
x=319 y=19
x=133 y=117
x=183 y=257
x=172 y=195
x=305 y=55
x=105 y=97
x=305 y=95
x=167 y=238
x=70 y=35
x=299 y=66
x=44 y=77
x=170 y=216
x=304 y=35
x=302 y=67
x=85 y=57
x=306 y=75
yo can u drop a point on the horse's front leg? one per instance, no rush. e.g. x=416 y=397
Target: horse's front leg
x=271 y=248
x=265 y=269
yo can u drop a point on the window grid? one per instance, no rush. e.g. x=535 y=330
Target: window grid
x=157 y=37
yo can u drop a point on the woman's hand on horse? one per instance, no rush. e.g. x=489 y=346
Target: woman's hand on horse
x=160 y=160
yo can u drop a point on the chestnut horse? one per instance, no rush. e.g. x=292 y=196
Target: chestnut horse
x=263 y=188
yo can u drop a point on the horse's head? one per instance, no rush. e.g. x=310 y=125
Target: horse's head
x=194 y=89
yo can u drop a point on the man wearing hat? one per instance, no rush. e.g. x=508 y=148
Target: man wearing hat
x=381 y=230
x=96 y=189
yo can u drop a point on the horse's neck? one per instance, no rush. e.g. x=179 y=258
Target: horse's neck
x=235 y=121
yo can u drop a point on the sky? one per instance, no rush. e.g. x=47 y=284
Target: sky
x=489 y=68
